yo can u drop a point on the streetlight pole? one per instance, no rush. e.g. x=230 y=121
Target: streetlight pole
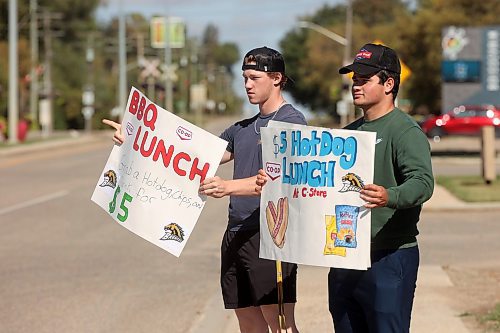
x=344 y=107
x=330 y=34
x=348 y=33
x=346 y=94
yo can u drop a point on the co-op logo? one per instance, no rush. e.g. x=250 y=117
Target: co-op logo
x=183 y=133
x=273 y=170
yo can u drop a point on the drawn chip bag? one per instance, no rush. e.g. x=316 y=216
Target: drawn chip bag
x=346 y=221
x=331 y=235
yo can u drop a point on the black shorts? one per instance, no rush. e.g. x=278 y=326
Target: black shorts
x=247 y=280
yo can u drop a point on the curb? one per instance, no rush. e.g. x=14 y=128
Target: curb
x=70 y=139
x=464 y=207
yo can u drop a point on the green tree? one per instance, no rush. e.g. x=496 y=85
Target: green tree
x=70 y=22
x=217 y=59
x=313 y=59
x=227 y=54
x=73 y=30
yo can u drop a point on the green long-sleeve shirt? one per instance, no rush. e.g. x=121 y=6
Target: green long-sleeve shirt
x=403 y=167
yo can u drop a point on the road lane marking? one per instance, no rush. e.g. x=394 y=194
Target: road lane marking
x=33 y=202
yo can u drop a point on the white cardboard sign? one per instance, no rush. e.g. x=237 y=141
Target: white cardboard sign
x=150 y=183
x=311 y=212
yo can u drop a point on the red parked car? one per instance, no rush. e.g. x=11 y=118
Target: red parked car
x=463 y=120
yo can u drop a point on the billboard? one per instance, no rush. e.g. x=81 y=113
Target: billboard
x=470 y=67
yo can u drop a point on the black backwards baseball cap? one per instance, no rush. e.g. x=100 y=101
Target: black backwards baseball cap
x=266 y=60
x=373 y=58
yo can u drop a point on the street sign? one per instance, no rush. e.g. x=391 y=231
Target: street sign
x=158 y=32
x=88 y=97
x=198 y=94
x=342 y=109
x=176 y=32
x=405 y=72
x=45 y=116
x=88 y=112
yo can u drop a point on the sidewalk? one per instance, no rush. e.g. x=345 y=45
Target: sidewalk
x=431 y=310
x=442 y=200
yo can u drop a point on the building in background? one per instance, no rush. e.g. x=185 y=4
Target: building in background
x=470 y=68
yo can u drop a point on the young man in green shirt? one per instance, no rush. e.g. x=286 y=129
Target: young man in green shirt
x=380 y=299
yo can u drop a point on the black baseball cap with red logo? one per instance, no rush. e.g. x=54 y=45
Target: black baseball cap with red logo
x=373 y=58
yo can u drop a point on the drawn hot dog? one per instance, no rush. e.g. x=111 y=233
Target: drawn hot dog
x=277 y=220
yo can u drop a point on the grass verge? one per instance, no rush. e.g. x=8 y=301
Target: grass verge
x=471 y=188
x=492 y=319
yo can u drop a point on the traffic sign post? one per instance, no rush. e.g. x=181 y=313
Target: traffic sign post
x=343 y=111
x=168 y=33
x=88 y=99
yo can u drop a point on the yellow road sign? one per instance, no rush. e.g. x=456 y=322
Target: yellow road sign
x=405 y=70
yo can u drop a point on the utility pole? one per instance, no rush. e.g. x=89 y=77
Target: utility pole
x=46 y=112
x=13 y=73
x=346 y=92
x=88 y=91
x=168 y=65
x=122 y=60
x=348 y=33
x=34 y=61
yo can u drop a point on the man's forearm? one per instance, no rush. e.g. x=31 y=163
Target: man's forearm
x=242 y=187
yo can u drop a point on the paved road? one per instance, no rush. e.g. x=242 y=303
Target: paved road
x=67 y=267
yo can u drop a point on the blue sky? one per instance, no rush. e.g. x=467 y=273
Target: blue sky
x=249 y=24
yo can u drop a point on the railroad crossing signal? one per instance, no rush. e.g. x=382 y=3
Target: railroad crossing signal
x=150 y=68
x=170 y=72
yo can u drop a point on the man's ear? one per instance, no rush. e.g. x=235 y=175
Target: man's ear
x=389 y=85
x=277 y=79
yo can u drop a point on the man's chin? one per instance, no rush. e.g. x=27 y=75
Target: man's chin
x=357 y=102
x=252 y=100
